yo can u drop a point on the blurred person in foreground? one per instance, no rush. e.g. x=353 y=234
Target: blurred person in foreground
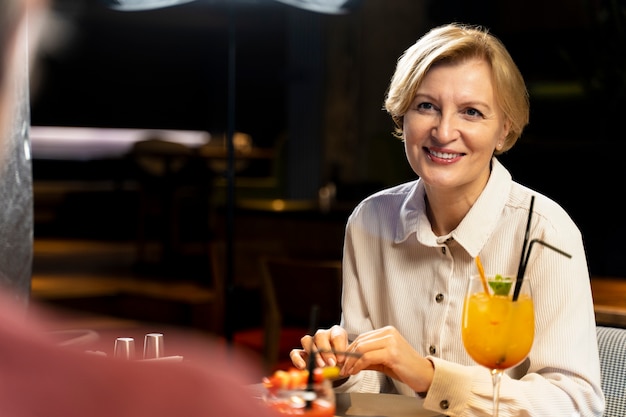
x=39 y=378
x=458 y=100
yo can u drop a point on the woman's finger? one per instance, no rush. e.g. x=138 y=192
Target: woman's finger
x=299 y=358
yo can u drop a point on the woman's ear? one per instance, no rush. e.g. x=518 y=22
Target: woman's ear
x=506 y=129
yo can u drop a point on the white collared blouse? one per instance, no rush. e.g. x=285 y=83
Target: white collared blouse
x=398 y=272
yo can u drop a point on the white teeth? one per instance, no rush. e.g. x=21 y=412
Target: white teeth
x=444 y=155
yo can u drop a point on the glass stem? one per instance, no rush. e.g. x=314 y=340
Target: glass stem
x=496 y=376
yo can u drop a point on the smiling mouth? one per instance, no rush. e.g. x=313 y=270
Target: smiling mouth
x=443 y=155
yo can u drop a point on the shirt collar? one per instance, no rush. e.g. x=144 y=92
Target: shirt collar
x=477 y=225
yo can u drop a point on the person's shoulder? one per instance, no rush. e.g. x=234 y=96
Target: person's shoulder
x=388 y=196
x=520 y=195
x=384 y=204
x=544 y=207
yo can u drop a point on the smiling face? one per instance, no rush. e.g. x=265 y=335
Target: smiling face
x=453 y=127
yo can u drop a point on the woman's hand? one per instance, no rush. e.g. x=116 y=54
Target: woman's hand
x=326 y=342
x=386 y=350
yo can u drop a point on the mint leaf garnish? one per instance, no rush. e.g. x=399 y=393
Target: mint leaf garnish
x=500 y=285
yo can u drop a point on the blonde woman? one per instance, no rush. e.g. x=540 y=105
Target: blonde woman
x=458 y=100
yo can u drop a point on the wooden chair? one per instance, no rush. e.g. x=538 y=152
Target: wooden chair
x=291 y=287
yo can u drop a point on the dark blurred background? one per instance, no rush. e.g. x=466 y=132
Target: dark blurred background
x=309 y=88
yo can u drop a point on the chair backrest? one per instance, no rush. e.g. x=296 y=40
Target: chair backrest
x=291 y=287
x=612 y=348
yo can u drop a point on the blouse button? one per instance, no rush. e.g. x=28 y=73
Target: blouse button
x=439 y=298
x=432 y=350
x=444 y=404
x=443 y=250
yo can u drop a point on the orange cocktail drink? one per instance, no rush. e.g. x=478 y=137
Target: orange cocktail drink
x=497 y=331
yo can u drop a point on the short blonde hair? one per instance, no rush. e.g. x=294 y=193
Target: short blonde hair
x=455 y=42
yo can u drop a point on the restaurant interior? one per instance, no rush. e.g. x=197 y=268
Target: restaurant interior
x=177 y=150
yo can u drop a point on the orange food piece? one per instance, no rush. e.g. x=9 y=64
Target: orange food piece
x=297 y=378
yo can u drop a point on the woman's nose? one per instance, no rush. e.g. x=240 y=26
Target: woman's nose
x=445 y=128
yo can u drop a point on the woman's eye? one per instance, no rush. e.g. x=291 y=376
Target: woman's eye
x=425 y=106
x=473 y=113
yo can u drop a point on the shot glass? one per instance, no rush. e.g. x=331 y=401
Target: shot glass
x=153 y=346
x=124 y=348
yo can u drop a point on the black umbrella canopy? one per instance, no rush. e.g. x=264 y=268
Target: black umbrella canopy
x=320 y=6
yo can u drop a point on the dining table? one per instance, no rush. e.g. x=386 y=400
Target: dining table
x=358 y=404
x=362 y=404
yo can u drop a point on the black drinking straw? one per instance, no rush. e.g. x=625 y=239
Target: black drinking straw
x=518 y=283
x=521 y=268
x=526 y=248
x=309 y=385
x=310 y=381
x=541 y=242
x=315 y=309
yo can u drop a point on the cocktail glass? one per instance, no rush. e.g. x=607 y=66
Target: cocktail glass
x=497 y=331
